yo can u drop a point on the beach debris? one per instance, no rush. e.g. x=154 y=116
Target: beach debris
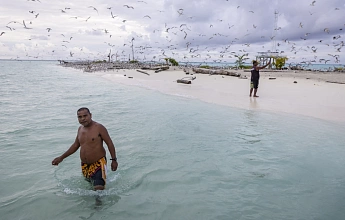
x=156 y=68
x=294 y=81
x=272 y=78
x=186 y=80
x=186 y=71
x=216 y=72
x=95 y=66
x=140 y=71
x=130 y=77
x=335 y=82
x=162 y=69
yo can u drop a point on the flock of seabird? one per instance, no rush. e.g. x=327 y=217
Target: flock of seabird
x=181 y=40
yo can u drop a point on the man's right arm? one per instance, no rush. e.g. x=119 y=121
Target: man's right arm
x=269 y=62
x=73 y=148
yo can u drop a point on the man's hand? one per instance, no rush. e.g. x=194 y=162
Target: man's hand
x=56 y=161
x=114 y=165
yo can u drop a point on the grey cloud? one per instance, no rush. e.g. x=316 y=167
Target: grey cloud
x=39 y=37
x=176 y=26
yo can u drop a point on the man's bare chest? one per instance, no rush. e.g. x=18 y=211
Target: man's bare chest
x=89 y=136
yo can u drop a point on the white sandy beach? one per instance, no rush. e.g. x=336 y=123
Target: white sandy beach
x=312 y=97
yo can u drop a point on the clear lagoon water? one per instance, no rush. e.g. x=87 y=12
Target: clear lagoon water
x=179 y=158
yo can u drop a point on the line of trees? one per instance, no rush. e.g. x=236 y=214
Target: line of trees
x=278 y=62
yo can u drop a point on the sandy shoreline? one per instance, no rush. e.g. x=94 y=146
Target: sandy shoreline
x=312 y=97
x=334 y=77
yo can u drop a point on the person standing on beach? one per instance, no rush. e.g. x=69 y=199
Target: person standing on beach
x=90 y=139
x=255 y=76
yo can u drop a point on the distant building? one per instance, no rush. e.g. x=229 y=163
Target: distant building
x=264 y=57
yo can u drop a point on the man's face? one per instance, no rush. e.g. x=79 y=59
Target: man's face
x=84 y=117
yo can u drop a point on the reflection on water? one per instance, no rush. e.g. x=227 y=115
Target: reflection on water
x=97 y=204
x=253 y=103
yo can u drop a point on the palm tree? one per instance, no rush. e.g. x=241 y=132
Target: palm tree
x=240 y=60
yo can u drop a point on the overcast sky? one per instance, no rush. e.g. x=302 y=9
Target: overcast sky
x=187 y=30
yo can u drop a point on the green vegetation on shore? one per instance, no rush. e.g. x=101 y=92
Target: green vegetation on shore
x=339 y=69
x=241 y=60
x=205 y=66
x=172 y=61
x=279 y=62
x=99 y=61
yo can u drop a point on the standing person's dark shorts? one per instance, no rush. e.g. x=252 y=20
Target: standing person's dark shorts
x=254 y=84
x=254 y=79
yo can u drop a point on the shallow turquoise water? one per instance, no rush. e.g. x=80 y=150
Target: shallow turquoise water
x=178 y=158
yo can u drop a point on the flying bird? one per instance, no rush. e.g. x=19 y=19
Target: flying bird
x=25 y=25
x=185 y=35
x=93 y=8
x=230 y=26
x=113 y=16
x=128 y=6
x=12 y=22
x=180 y=12
x=336 y=37
x=312 y=4
x=2 y=33
x=314 y=49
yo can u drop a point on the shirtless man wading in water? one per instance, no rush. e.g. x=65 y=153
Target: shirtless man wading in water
x=90 y=139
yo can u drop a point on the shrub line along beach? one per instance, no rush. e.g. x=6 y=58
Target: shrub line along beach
x=312 y=93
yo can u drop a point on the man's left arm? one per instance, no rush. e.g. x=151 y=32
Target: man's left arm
x=106 y=138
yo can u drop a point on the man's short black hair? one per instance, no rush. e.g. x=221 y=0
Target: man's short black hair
x=254 y=62
x=84 y=108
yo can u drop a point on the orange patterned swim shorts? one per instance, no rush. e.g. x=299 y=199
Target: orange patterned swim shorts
x=95 y=172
